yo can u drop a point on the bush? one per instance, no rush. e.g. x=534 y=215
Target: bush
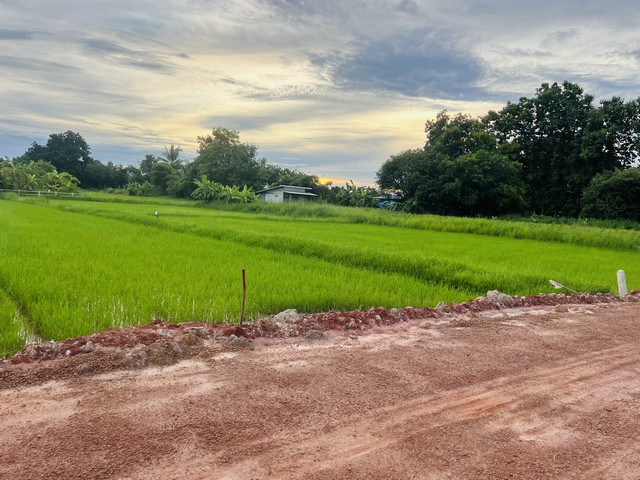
x=613 y=195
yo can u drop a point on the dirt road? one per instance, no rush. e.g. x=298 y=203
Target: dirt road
x=533 y=393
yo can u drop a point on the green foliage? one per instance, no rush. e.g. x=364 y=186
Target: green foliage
x=146 y=166
x=479 y=183
x=562 y=141
x=140 y=189
x=172 y=157
x=536 y=155
x=352 y=196
x=210 y=191
x=613 y=194
x=224 y=159
x=69 y=153
x=38 y=175
x=396 y=174
x=207 y=190
x=457 y=136
x=460 y=172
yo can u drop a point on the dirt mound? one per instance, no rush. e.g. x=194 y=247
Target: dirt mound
x=163 y=343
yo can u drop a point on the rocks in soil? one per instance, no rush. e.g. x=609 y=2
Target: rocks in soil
x=561 y=308
x=161 y=353
x=190 y=340
x=136 y=357
x=200 y=332
x=238 y=343
x=288 y=316
x=314 y=335
x=84 y=370
x=164 y=352
x=37 y=351
x=88 y=347
x=351 y=325
x=501 y=299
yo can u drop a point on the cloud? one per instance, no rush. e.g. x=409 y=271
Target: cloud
x=8 y=34
x=412 y=66
x=338 y=85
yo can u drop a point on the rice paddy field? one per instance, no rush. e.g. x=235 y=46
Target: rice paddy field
x=73 y=267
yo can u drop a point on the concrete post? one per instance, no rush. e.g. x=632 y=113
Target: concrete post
x=622 y=283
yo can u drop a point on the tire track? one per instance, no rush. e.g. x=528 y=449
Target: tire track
x=579 y=383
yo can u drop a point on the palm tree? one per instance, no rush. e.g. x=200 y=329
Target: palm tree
x=171 y=157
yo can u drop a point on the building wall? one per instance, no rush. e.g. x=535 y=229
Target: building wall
x=278 y=195
x=273 y=196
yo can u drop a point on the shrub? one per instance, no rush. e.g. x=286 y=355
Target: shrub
x=613 y=195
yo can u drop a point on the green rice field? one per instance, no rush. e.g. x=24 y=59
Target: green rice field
x=73 y=267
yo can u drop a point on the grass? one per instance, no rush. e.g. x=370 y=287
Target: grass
x=80 y=266
x=13 y=328
x=460 y=260
x=76 y=274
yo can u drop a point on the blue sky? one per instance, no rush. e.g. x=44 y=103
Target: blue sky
x=330 y=87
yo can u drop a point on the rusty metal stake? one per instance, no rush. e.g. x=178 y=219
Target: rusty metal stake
x=244 y=295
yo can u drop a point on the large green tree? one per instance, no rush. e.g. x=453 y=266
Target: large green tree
x=396 y=175
x=224 y=159
x=460 y=171
x=562 y=141
x=68 y=152
x=458 y=135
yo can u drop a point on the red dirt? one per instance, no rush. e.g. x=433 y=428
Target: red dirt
x=462 y=391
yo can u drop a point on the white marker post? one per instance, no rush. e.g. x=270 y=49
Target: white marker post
x=622 y=284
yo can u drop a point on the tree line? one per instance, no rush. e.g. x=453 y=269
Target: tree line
x=225 y=168
x=555 y=153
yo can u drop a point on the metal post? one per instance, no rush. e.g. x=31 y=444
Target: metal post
x=244 y=295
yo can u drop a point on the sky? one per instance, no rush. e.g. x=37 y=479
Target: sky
x=332 y=88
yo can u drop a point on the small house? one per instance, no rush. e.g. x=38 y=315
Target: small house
x=286 y=193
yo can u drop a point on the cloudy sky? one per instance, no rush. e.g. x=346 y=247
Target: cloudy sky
x=332 y=87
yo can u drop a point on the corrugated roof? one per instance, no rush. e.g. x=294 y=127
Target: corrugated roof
x=282 y=186
x=301 y=193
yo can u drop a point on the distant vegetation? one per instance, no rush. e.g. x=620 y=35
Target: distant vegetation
x=543 y=155
x=81 y=266
x=222 y=160
x=555 y=154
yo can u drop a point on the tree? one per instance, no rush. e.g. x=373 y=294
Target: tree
x=68 y=152
x=396 y=174
x=562 y=140
x=224 y=159
x=480 y=183
x=146 y=165
x=457 y=136
x=165 y=178
x=613 y=194
x=171 y=157
x=613 y=137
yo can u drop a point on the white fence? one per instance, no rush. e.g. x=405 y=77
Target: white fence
x=43 y=193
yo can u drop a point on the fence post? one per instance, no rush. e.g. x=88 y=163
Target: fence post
x=244 y=295
x=622 y=283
